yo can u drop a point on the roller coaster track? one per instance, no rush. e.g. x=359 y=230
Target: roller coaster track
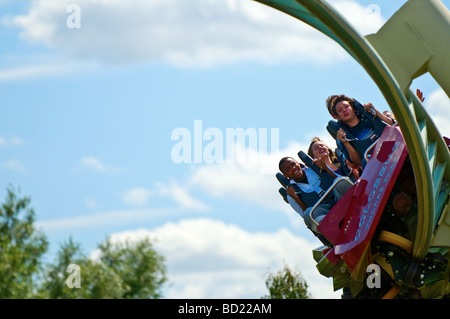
x=429 y=154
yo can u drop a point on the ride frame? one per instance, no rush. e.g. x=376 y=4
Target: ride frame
x=415 y=40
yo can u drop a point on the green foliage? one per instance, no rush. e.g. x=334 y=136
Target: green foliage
x=96 y=280
x=140 y=267
x=129 y=270
x=286 y=284
x=21 y=247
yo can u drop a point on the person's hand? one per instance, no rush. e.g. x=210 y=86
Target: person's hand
x=353 y=168
x=341 y=136
x=355 y=173
x=319 y=163
x=350 y=164
x=368 y=107
x=291 y=192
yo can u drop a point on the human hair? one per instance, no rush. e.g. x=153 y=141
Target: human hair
x=282 y=162
x=333 y=100
x=333 y=157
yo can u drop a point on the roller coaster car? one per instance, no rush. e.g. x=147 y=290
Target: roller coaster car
x=375 y=223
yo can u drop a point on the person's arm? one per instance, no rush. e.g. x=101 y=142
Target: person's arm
x=381 y=116
x=323 y=166
x=291 y=192
x=355 y=157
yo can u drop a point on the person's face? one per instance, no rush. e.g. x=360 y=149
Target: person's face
x=319 y=150
x=292 y=169
x=344 y=111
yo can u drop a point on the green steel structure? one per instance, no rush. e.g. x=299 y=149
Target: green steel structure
x=415 y=40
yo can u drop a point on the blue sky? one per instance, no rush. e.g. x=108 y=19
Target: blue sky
x=88 y=114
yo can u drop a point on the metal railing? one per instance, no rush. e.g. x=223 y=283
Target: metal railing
x=335 y=182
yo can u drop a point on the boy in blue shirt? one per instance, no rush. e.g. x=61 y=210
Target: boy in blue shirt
x=352 y=122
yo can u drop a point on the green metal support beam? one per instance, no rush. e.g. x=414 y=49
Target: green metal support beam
x=428 y=153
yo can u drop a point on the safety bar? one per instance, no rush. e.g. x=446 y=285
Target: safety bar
x=369 y=149
x=337 y=180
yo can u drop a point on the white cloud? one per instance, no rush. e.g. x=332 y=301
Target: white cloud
x=31 y=72
x=438 y=106
x=365 y=19
x=10 y=141
x=251 y=180
x=117 y=217
x=16 y=141
x=195 y=33
x=180 y=194
x=210 y=259
x=140 y=196
x=90 y=202
x=14 y=165
x=91 y=163
x=137 y=196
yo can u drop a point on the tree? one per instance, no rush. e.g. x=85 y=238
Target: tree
x=74 y=276
x=286 y=284
x=21 y=247
x=140 y=267
x=130 y=270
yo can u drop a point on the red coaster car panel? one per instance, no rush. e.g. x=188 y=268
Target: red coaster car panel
x=351 y=223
